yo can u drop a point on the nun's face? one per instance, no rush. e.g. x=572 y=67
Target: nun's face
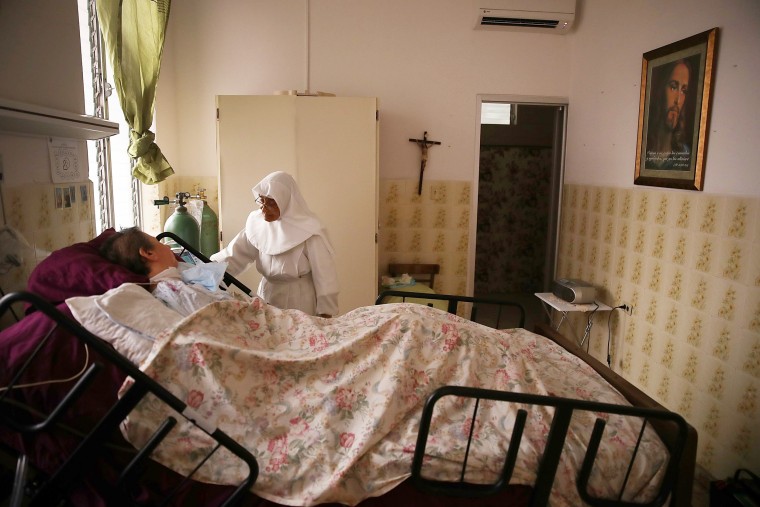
x=269 y=208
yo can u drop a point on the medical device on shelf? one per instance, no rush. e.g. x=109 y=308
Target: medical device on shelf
x=574 y=291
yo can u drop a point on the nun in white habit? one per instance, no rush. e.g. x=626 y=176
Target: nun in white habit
x=290 y=248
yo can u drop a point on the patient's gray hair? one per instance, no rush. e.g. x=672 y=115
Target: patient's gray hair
x=123 y=248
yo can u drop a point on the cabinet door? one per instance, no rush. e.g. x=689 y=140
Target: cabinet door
x=329 y=145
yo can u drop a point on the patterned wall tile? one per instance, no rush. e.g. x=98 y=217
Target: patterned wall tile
x=753 y=221
x=415 y=216
x=608 y=197
x=429 y=228
x=709 y=212
x=674 y=278
x=642 y=207
x=728 y=302
x=731 y=259
x=597 y=196
x=662 y=202
x=626 y=204
x=637 y=268
x=738 y=212
x=704 y=260
x=31 y=210
x=654 y=275
x=608 y=231
x=656 y=242
x=461 y=193
x=683 y=217
x=438 y=193
x=693 y=277
x=700 y=291
x=461 y=217
x=692 y=263
x=747 y=355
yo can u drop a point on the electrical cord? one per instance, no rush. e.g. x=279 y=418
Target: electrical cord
x=589 y=323
x=2 y=202
x=623 y=307
x=54 y=381
x=609 y=339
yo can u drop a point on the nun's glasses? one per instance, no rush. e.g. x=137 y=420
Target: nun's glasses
x=267 y=202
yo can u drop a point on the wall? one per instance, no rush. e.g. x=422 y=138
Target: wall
x=606 y=78
x=689 y=264
x=431 y=227
x=39 y=53
x=423 y=59
x=41 y=64
x=426 y=64
x=686 y=260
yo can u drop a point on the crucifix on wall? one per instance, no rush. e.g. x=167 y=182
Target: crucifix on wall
x=424 y=144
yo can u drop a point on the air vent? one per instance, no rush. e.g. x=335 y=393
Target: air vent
x=530 y=23
x=541 y=16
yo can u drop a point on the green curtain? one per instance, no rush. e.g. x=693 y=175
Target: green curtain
x=134 y=32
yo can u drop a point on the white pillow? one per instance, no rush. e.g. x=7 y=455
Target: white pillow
x=128 y=317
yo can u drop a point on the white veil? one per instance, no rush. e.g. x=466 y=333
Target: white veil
x=296 y=224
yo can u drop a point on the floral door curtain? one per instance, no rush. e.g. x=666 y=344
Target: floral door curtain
x=134 y=32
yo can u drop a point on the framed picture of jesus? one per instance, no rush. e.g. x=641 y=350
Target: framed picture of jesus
x=674 y=109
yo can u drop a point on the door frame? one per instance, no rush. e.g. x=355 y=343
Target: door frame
x=558 y=176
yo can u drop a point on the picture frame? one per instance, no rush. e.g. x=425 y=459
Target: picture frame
x=674 y=112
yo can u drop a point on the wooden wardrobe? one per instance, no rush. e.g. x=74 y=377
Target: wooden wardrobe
x=330 y=146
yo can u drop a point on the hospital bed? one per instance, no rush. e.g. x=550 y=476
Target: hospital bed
x=108 y=469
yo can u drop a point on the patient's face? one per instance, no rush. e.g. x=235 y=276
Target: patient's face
x=164 y=257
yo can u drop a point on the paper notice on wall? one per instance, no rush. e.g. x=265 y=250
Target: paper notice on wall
x=67 y=163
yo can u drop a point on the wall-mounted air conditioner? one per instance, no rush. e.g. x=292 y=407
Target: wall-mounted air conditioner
x=541 y=16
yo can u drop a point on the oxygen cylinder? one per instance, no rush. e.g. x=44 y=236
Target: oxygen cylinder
x=183 y=224
x=209 y=231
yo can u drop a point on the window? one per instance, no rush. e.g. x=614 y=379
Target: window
x=116 y=193
x=497 y=113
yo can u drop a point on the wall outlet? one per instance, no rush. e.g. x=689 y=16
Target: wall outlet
x=627 y=308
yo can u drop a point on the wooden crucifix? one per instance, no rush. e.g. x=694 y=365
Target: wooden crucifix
x=423 y=143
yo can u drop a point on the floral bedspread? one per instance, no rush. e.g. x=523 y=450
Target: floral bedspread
x=330 y=407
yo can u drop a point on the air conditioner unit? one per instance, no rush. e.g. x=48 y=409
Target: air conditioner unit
x=539 y=16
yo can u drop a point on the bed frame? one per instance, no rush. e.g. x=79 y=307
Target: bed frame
x=53 y=489
x=492 y=312
x=187 y=248
x=679 y=437
x=686 y=463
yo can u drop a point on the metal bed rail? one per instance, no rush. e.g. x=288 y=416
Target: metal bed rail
x=549 y=461
x=493 y=312
x=186 y=247
x=53 y=488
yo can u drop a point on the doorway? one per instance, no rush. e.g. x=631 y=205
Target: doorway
x=519 y=175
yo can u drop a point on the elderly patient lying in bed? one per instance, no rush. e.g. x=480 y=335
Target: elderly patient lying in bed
x=181 y=286
x=330 y=407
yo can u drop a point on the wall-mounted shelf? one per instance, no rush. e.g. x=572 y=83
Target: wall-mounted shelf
x=22 y=118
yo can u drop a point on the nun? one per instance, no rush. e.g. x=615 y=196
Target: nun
x=290 y=248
